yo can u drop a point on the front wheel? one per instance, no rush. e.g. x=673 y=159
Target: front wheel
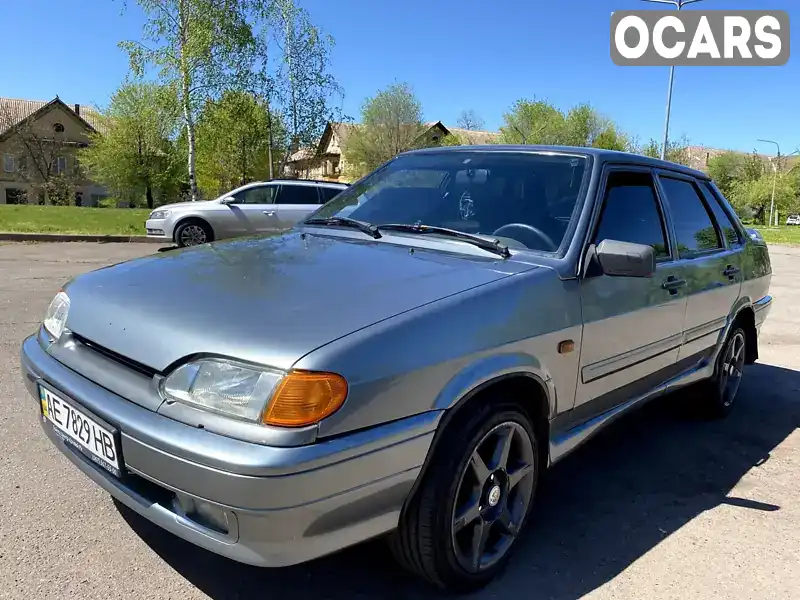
x=459 y=530
x=193 y=233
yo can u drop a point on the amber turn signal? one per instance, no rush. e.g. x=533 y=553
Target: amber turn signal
x=304 y=398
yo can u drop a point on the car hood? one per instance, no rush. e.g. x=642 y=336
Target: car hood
x=266 y=300
x=182 y=205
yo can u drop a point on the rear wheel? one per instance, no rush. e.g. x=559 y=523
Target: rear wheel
x=719 y=393
x=460 y=528
x=192 y=233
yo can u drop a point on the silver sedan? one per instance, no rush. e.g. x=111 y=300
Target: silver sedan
x=408 y=360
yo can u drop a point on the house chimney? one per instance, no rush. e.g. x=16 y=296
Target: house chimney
x=78 y=109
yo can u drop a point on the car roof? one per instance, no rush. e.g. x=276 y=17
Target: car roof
x=319 y=182
x=600 y=155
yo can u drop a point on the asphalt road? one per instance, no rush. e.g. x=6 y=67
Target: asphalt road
x=661 y=505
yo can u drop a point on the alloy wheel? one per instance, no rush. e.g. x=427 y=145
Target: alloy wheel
x=493 y=496
x=192 y=235
x=731 y=368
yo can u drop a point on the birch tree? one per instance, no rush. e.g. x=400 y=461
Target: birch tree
x=201 y=47
x=302 y=83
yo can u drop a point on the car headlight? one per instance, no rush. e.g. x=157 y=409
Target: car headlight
x=159 y=214
x=255 y=394
x=56 y=317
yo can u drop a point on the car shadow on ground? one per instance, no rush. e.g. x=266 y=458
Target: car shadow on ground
x=598 y=511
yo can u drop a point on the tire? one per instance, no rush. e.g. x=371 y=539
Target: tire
x=719 y=392
x=468 y=476
x=193 y=232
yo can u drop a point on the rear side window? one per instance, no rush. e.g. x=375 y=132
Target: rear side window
x=721 y=215
x=299 y=194
x=694 y=227
x=328 y=193
x=630 y=212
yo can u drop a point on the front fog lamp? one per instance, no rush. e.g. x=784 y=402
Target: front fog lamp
x=56 y=317
x=222 y=386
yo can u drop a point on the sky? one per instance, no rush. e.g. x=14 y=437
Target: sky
x=456 y=54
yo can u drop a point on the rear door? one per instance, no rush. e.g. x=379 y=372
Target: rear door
x=709 y=257
x=632 y=326
x=295 y=202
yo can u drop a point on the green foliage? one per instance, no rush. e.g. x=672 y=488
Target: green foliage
x=233 y=142
x=391 y=123
x=677 y=151
x=726 y=169
x=752 y=198
x=136 y=157
x=199 y=48
x=539 y=122
x=301 y=83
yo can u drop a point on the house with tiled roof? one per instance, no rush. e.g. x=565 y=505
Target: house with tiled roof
x=39 y=142
x=327 y=159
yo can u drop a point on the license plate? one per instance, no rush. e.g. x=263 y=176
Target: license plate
x=97 y=442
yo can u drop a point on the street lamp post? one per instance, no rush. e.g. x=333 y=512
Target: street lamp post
x=679 y=4
x=774 y=179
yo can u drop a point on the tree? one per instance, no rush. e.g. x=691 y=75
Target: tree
x=470 y=120
x=726 y=169
x=200 y=47
x=753 y=197
x=391 y=123
x=677 y=151
x=532 y=122
x=754 y=167
x=233 y=142
x=291 y=74
x=41 y=148
x=539 y=122
x=137 y=154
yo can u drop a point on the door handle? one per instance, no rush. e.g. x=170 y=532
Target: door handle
x=673 y=284
x=730 y=271
x=269 y=213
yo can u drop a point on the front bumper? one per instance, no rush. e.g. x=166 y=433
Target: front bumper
x=159 y=229
x=281 y=506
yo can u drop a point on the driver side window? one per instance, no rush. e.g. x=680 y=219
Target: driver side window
x=257 y=195
x=630 y=212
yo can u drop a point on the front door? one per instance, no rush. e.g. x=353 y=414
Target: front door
x=632 y=326
x=710 y=260
x=295 y=202
x=255 y=209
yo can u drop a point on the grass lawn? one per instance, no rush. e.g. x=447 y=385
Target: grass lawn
x=783 y=234
x=72 y=219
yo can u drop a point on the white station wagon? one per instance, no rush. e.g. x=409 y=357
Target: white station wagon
x=261 y=207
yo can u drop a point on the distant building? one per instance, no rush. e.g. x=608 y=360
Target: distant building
x=327 y=161
x=39 y=140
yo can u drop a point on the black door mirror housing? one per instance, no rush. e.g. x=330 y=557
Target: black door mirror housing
x=624 y=259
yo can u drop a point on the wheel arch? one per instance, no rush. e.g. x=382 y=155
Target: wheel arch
x=192 y=217
x=746 y=317
x=522 y=379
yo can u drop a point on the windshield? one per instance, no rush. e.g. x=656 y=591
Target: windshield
x=523 y=198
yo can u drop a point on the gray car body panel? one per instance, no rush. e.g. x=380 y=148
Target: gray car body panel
x=415 y=324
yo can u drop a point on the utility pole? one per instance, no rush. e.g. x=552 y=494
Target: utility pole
x=679 y=4
x=774 y=180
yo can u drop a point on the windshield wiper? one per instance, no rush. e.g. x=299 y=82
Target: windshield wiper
x=490 y=245
x=362 y=226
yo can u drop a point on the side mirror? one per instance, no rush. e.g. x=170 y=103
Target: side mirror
x=228 y=200
x=623 y=259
